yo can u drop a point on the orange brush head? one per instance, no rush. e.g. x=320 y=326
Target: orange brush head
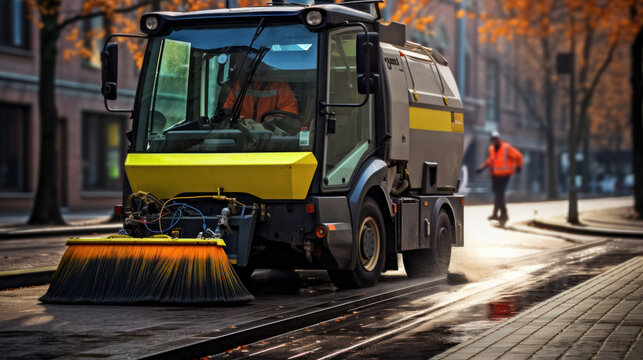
x=135 y=273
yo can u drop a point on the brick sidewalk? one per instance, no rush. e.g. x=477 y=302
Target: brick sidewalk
x=601 y=318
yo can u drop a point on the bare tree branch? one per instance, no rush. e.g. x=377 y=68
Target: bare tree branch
x=526 y=99
x=587 y=54
x=122 y=10
x=587 y=96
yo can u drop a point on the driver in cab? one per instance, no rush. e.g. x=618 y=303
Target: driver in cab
x=263 y=95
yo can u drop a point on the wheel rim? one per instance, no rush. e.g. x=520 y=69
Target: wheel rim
x=369 y=243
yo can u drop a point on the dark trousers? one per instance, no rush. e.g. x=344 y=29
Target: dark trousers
x=499 y=185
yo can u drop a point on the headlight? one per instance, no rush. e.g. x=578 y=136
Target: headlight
x=314 y=18
x=151 y=23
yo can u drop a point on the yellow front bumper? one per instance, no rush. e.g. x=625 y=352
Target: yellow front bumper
x=270 y=176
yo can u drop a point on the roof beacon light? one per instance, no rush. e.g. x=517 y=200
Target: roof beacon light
x=151 y=23
x=314 y=18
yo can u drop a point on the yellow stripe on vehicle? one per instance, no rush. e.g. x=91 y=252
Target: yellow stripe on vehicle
x=284 y=176
x=435 y=120
x=458 y=122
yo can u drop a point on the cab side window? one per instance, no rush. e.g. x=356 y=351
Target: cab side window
x=172 y=88
x=354 y=130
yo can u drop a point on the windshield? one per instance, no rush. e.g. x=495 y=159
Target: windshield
x=207 y=90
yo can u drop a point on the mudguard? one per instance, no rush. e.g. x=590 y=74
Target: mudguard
x=372 y=174
x=338 y=244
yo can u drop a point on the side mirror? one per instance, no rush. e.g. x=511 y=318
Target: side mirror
x=368 y=63
x=109 y=65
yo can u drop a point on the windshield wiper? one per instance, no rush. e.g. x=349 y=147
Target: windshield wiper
x=236 y=109
x=237 y=103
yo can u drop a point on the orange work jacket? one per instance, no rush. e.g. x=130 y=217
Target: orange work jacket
x=262 y=97
x=503 y=162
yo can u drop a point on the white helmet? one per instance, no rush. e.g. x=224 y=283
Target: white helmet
x=495 y=134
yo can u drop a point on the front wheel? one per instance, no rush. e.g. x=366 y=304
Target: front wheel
x=370 y=248
x=433 y=261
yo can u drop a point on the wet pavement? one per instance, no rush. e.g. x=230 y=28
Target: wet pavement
x=381 y=331
x=494 y=260
x=601 y=318
x=19 y=254
x=29 y=329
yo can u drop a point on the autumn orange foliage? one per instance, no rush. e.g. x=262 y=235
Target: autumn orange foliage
x=121 y=22
x=412 y=13
x=541 y=18
x=609 y=116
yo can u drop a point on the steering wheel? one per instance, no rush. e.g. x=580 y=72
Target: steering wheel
x=289 y=128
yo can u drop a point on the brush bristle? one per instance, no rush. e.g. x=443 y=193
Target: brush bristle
x=136 y=274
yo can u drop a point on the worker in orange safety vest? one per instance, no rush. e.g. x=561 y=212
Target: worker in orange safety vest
x=262 y=97
x=504 y=160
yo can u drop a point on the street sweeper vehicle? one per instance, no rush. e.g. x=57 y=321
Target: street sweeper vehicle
x=282 y=137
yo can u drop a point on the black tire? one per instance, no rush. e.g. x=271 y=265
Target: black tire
x=433 y=261
x=370 y=249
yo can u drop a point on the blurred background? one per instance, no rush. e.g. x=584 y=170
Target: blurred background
x=512 y=59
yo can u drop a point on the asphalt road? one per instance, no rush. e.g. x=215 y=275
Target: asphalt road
x=424 y=324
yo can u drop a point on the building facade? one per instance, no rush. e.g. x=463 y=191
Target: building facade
x=92 y=142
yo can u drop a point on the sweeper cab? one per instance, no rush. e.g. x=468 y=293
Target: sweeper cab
x=288 y=137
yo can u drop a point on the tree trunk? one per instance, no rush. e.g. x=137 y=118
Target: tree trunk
x=585 y=171
x=552 y=164
x=572 y=214
x=637 y=120
x=46 y=208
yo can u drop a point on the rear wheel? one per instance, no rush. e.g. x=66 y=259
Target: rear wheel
x=370 y=250
x=433 y=261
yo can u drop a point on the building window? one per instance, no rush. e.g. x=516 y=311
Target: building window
x=14 y=120
x=492 y=88
x=104 y=149
x=14 y=25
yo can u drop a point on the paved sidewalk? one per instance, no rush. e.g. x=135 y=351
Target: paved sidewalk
x=78 y=223
x=611 y=221
x=74 y=217
x=601 y=318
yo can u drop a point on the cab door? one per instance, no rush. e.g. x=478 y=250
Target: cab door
x=355 y=128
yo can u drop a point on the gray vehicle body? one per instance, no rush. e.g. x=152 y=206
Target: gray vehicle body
x=422 y=94
x=412 y=172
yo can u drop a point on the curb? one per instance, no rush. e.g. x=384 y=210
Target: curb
x=55 y=231
x=23 y=278
x=587 y=230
